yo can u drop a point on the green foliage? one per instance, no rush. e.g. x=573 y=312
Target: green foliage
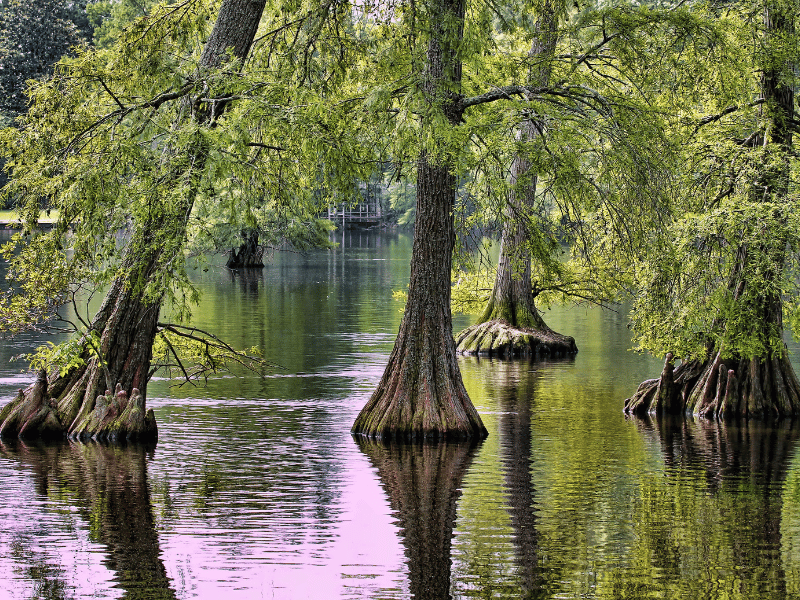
x=639 y=164
x=110 y=18
x=403 y=201
x=711 y=259
x=65 y=356
x=709 y=283
x=113 y=151
x=193 y=354
x=33 y=37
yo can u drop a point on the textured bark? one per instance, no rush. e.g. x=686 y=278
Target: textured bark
x=423 y=483
x=500 y=339
x=421 y=394
x=721 y=388
x=511 y=325
x=127 y=321
x=250 y=254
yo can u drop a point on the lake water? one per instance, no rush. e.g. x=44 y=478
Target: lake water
x=257 y=490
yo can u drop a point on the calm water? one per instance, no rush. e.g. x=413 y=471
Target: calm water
x=257 y=490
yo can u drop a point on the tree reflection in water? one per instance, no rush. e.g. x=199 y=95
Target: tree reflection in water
x=731 y=537
x=516 y=384
x=108 y=484
x=423 y=482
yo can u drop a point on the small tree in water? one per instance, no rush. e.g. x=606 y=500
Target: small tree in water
x=511 y=324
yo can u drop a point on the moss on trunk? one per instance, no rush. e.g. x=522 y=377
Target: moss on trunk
x=721 y=388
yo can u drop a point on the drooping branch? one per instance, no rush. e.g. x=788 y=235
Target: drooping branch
x=576 y=93
x=213 y=353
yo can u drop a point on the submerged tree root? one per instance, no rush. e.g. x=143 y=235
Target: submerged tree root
x=117 y=417
x=719 y=388
x=498 y=338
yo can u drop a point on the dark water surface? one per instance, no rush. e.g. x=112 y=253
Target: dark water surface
x=257 y=490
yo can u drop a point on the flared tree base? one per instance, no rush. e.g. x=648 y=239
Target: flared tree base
x=117 y=417
x=250 y=254
x=721 y=388
x=499 y=339
x=398 y=414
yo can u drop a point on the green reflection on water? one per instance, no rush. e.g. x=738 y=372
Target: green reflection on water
x=565 y=499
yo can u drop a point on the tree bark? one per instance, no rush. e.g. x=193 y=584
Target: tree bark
x=421 y=394
x=511 y=325
x=73 y=405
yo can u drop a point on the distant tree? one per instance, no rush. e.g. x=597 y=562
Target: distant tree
x=33 y=37
x=110 y=18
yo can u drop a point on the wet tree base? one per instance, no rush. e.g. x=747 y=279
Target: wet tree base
x=720 y=388
x=117 y=417
x=499 y=339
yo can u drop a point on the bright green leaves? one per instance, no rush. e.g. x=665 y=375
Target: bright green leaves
x=65 y=356
x=191 y=354
x=715 y=280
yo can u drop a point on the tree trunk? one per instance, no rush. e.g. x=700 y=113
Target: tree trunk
x=421 y=394
x=73 y=404
x=511 y=326
x=250 y=254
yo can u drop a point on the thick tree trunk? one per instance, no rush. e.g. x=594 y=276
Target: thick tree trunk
x=421 y=394
x=511 y=325
x=423 y=484
x=74 y=405
x=250 y=254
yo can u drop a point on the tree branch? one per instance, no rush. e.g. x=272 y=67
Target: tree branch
x=733 y=108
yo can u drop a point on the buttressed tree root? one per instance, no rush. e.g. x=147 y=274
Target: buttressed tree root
x=116 y=417
x=500 y=339
x=721 y=388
